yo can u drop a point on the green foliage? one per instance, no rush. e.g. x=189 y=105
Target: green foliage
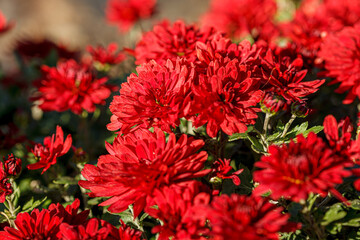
x=31 y=204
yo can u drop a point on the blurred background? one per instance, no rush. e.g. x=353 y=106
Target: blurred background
x=77 y=23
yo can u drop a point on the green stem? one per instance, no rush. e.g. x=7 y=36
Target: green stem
x=84 y=196
x=263 y=139
x=315 y=230
x=10 y=205
x=287 y=126
x=137 y=222
x=11 y=222
x=266 y=124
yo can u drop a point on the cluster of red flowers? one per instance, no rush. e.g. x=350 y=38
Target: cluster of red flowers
x=239 y=18
x=143 y=161
x=219 y=87
x=312 y=165
x=316 y=19
x=170 y=42
x=216 y=83
x=58 y=222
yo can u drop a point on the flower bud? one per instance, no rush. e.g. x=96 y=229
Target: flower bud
x=272 y=103
x=80 y=156
x=5 y=185
x=5 y=189
x=300 y=109
x=12 y=165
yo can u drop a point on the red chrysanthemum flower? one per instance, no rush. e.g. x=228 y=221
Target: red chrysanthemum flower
x=141 y=162
x=53 y=147
x=303 y=167
x=284 y=76
x=225 y=94
x=126 y=233
x=154 y=97
x=307 y=33
x=242 y=217
x=71 y=86
x=341 y=53
x=221 y=169
x=342 y=144
x=12 y=165
x=125 y=13
x=42 y=224
x=87 y=231
x=175 y=208
x=5 y=185
x=70 y=214
x=4 y=25
x=314 y=20
x=341 y=13
x=106 y=55
x=239 y=18
x=169 y=42
x=222 y=50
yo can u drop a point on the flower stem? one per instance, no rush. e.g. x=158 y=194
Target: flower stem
x=312 y=225
x=83 y=190
x=287 y=125
x=10 y=204
x=266 y=124
x=263 y=139
x=12 y=212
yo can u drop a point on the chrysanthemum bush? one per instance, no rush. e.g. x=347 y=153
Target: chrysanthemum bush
x=244 y=125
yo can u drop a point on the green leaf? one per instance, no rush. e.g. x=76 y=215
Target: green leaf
x=237 y=136
x=2 y=218
x=63 y=180
x=280 y=126
x=143 y=216
x=126 y=216
x=315 y=129
x=353 y=222
x=38 y=202
x=273 y=136
x=94 y=201
x=335 y=213
x=355 y=204
x=256 y=145
x=292 y=236
x=28 y=204
x=299 y=129
x=312 y=199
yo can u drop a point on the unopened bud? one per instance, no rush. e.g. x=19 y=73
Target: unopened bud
x=300 y=109
x=216 y=181
x=12 y=165
x=272 y=103
x=80 y=156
